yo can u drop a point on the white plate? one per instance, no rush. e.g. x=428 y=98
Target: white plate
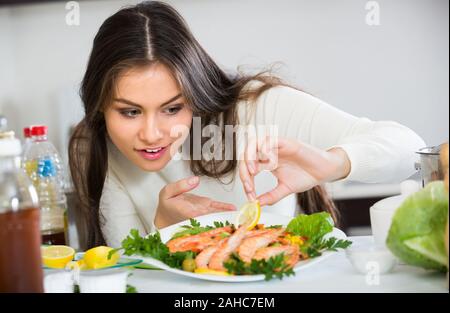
x=266 y=219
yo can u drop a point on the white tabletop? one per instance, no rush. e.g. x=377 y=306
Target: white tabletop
x=334 y=274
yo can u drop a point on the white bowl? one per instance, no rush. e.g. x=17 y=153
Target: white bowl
x=382 y=212
x=107 y=281
x=380 y=220
x=372 y=258
x=58 y=281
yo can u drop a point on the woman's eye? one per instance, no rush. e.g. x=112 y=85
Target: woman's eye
x=173 y=110
x=130 y=113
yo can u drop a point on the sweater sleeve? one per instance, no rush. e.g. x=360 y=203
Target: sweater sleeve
x=379 y=151
x=118 y=213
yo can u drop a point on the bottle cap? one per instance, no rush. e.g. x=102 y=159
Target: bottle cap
x=39 y=130
x=27 y=132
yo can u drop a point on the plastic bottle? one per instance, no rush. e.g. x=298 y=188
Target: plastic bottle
x=27 y=140
x=44 y=167
x=20 y=238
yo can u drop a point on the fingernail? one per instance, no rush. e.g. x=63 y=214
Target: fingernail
x=248 y=187
x=193 y=180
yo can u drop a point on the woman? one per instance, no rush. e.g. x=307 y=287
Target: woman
x=147 y=76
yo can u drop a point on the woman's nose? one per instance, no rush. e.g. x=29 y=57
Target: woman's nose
x=150 y=131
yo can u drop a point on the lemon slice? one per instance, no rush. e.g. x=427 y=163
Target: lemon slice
x=249 y=214
x=98 y=257
x=204 y=270
x=57 y=256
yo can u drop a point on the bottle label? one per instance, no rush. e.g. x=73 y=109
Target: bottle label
x=46 y=168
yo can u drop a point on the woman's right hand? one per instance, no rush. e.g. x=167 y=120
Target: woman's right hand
x=176 y=205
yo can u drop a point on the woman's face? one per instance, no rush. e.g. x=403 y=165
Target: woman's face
x=147 y=105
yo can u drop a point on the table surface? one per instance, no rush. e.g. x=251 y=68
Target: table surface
x=334 y=274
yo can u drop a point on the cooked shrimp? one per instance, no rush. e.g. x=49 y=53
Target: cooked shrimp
x=290 y=251
x=226 y=247
x=197 y=242
x=202 y=259
x=249 y=246
x=252 y=233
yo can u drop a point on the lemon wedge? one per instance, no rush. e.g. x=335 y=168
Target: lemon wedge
x=249 y=214
x=204 y=270
x=98 y=257
x=57 y=256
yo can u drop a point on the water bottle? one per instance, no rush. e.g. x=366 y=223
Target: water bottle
x=20 y=237
x=43 y=165
x=27 y=139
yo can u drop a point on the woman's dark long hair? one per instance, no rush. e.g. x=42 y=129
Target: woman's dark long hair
x=140 y=35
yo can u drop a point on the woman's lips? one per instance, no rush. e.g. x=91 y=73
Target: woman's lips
x=146 y=154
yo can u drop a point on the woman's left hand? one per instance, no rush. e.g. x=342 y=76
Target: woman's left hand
x=297 y=166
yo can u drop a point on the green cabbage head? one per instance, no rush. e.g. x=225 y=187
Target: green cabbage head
x=417 y=231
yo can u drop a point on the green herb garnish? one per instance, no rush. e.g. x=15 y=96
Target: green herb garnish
x=195 y=228
x=224 y=235
x=274 y=267
x=274 y=226
x=153 y=246
x=131 y=289
x=331 y=244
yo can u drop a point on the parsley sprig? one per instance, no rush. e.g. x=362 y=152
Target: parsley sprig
x=274 y=267
x=274 y=227
x=152 y=246
x=331 y=244
x=195 y=228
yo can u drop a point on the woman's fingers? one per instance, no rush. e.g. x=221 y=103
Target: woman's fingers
x=247 y=181
x=175 y=189
x=222 y=206
x=262 y=154
x=268 y=161
x=258 y=155
x=247 y=170
x=190 y=205
x=250 y=156
x=275 y=195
